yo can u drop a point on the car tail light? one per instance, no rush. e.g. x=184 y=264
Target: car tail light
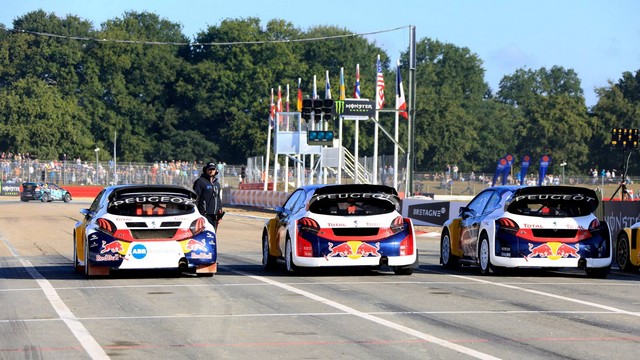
x=406 y=246
x=309 y=225
x=594 y=226
x=508 y=225
x=106 y=226
x=304 y=248
x=197 y=226
x=397 y=225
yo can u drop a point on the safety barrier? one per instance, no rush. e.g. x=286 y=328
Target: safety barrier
x=257 y=198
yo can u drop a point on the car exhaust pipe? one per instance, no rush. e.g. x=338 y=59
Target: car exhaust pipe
x=183 y=264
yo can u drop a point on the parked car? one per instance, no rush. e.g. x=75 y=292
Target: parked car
x=524 y=227
x=357 y=225
x=144 y=227
x=43 y=191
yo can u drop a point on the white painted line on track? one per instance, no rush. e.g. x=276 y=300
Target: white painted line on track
x=378 y=320
x=542 y=293
x=91 y=346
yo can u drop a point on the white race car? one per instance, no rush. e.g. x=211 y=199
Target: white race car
x=144 y=227
x=340 y=226
x=538 y=226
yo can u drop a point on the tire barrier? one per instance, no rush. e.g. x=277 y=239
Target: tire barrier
x=257 y=198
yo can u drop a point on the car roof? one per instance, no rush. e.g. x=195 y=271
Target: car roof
x=118 y=190
x=323 y=189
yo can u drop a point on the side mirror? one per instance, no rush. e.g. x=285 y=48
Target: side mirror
x=466 y=212
x=85 y=212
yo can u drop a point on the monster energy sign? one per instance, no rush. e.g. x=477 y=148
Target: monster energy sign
x=356 y=107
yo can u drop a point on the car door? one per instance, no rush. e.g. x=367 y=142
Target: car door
x=81 y=227
x=284 y=217
x=54 y=190
x=470 y=224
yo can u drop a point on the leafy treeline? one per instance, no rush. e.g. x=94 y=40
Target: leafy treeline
x=60 y=95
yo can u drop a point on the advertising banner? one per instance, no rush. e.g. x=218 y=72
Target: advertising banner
x=9 y=189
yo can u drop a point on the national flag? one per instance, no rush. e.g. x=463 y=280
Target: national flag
x=356 y=90
x=314 y=95
x=279 y=103
x=287 y=101
x=343 y=91
x=279 y=106
x=401 y=104
x=379 y=86
x=299 y=104
x=272 y=111
x=327 y=87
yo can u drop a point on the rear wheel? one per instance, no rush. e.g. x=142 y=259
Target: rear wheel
x=598 y=272
x=448 y=260
x=67 y=197
x=269 y=262
x=288 y=256
x=76 y=262
x=623 y=257
x=484 y=255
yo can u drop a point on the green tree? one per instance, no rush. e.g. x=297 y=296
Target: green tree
x=618 y=107
x=39 y=120
x=555 y=116
x=450 y=89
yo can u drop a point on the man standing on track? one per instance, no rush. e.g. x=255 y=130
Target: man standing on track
x=208 y=189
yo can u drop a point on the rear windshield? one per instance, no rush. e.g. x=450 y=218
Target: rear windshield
x=151 y=205
x=551 y=205
x=29 y=187
x=353 y=204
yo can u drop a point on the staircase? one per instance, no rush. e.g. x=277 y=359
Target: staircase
x=349 y=168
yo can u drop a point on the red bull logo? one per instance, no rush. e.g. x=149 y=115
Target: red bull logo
x=195 y=245
x=353 y=250
x=112 y=247
x=366 y=249
x=553 y=250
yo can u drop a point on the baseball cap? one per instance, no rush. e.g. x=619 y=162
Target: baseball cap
x=211 y=165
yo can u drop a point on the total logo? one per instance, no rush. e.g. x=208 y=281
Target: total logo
x=139 y=251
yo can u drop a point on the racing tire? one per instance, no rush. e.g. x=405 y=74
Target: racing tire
x=623 y=257
x=67 y=197
x=76 y=262
x=269 y=262
x=484 y=255
x=406 y=270
x=447 y=260
x=598 y=272
x=43 y=198
x=288 y=257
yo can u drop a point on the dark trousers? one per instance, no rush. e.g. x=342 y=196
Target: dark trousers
x=212 y=220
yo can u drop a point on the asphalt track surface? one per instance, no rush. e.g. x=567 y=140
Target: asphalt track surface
x=50 y=312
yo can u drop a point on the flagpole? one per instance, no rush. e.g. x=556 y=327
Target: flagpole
x=266 y=161
x=395 y=152
x=379 y=99
x=313 y=127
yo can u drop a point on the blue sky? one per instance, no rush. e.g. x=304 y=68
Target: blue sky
x=599 y=39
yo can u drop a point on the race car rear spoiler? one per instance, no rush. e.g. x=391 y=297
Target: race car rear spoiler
x=557 y=194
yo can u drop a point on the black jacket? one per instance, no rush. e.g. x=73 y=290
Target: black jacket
x=209 y=200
